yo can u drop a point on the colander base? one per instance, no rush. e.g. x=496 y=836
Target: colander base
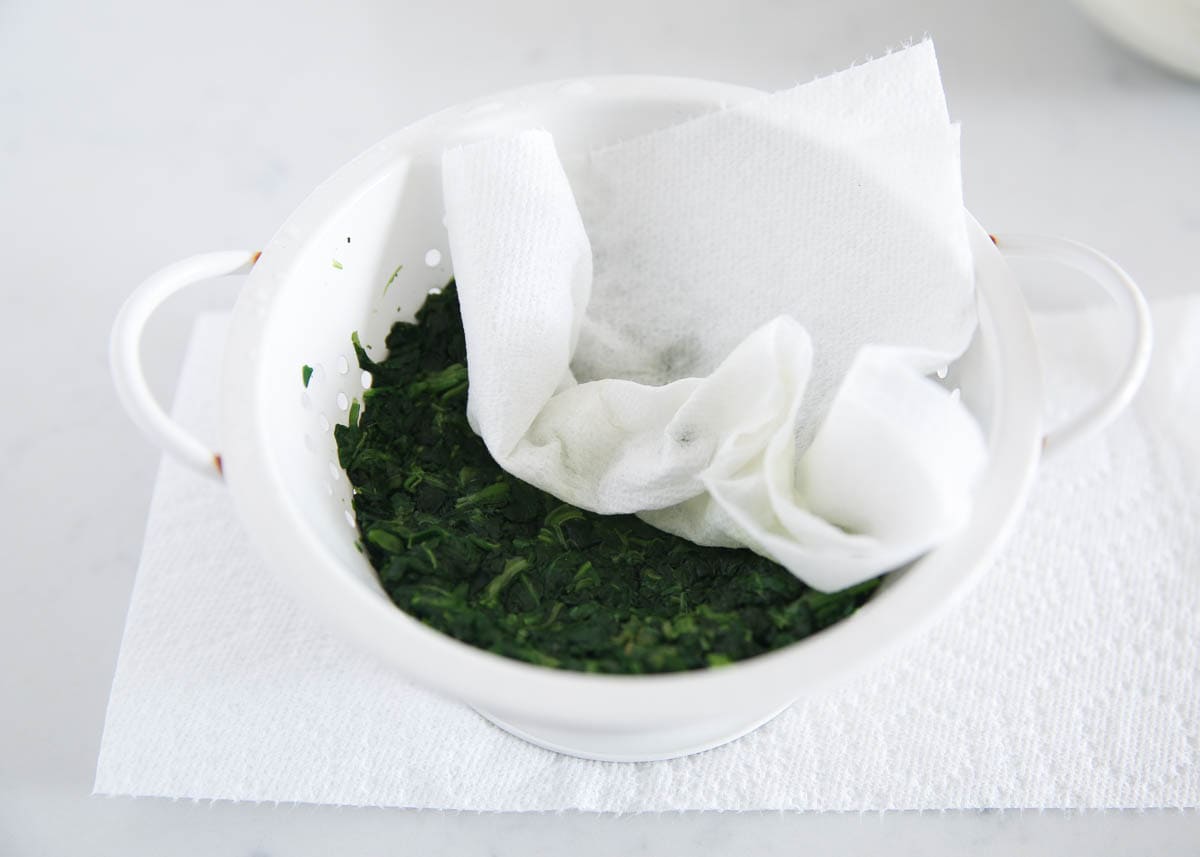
x=635 y=746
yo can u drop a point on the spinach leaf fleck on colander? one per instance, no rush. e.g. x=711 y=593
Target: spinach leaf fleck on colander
x=484 y=557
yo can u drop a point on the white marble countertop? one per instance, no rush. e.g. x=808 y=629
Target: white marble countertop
x=133 y=133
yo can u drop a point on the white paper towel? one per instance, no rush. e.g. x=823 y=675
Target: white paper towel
x=1070 y=677
x=665 y=332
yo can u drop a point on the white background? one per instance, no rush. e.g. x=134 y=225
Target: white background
x=135 y=133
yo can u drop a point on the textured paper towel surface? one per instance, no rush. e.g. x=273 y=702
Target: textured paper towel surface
x=1070 y=677
x=837 y=202
x=751 y=309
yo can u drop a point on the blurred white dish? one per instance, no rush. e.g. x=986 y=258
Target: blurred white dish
x=1166 y=31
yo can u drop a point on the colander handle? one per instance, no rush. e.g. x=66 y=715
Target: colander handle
x=1129 y=299
x=125 y=360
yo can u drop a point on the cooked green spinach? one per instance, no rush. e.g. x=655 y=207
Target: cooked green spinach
x=490 y=560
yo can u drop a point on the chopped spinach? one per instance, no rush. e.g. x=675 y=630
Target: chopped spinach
x=484 y=557
x=392 y=278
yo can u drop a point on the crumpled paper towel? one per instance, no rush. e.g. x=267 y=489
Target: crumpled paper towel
x=1070 y=677
x=725 y=325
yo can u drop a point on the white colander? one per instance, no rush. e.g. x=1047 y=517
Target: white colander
x=364 y=250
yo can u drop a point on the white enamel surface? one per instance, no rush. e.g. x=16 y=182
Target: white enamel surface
x=298 y=308
x=1121 y=288
x=125 y=358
